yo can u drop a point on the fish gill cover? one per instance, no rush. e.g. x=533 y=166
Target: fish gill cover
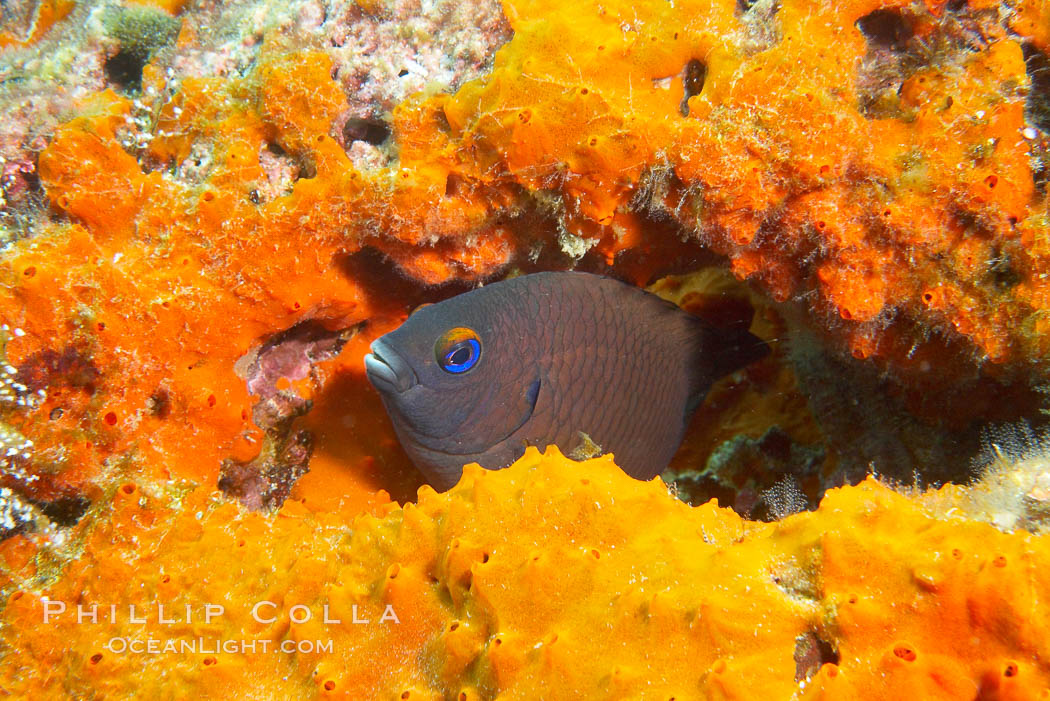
x=209 y=211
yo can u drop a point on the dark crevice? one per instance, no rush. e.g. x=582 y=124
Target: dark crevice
x=1002 y=270
x=812 y=653
x=909 y=41
x=453 y=185
x=31 y=179
x=124 y=69
x=693 y=76
x=371 y=131
x=307 y=170
x=886 y=28
x=373 y=270
x=887 y=63
x=1037 y=108
x=140 y=32
x=64 y=511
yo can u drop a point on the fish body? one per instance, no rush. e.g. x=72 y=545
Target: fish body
x=549 y=358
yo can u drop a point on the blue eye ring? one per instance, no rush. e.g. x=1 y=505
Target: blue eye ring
x=458 y=350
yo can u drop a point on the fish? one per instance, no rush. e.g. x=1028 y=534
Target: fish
x=565 y=358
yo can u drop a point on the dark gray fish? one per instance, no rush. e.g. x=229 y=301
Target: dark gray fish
x=547 y=358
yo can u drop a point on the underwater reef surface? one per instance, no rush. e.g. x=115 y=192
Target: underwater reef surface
x=208 y=210
x=200 y=205
x=551 y=579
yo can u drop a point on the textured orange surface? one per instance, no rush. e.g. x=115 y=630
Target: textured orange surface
x=47 y=12
x=910 y=229
x=774 y=165
x=551 y=579
x=921 y=217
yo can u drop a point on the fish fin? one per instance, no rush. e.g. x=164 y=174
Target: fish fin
x=742 y=348
x=726 y=349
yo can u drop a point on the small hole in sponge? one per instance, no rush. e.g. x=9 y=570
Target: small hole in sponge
x=905 y=652
x=452 y=185
x=1011 y=670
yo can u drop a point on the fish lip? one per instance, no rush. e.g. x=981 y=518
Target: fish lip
x=386 y=369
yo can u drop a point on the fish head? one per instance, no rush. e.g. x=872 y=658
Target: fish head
x=457 y=379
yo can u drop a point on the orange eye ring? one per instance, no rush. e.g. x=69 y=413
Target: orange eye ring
x=458 y=350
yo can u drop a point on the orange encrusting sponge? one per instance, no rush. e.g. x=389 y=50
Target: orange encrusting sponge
x=550 y=579
x=908 y=216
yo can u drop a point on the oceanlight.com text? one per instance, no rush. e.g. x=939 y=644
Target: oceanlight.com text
x=202 y=646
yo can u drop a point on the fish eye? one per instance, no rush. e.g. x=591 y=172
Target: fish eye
x=458 y=350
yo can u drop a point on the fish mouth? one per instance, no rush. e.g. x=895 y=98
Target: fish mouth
x=387 y=370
